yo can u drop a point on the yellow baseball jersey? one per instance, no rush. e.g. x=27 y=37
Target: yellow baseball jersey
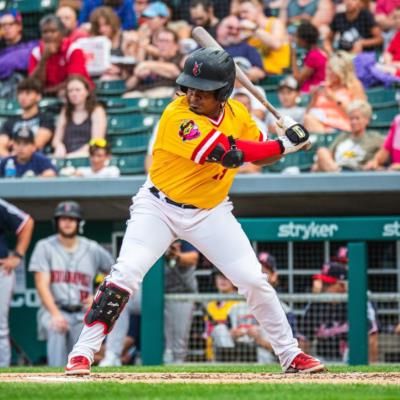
x=183 y=142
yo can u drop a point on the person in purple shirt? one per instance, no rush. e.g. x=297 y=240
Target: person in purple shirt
x=26 y=161
x=123 y=8
x=312 y=72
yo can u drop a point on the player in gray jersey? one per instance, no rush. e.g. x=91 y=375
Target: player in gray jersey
x=65 y=266
x=15 y=221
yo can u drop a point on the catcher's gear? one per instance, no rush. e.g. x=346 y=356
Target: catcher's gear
x=107 y=306
x=209 y=69
x=296 y=136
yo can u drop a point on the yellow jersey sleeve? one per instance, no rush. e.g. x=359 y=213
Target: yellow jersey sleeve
x=185 y=133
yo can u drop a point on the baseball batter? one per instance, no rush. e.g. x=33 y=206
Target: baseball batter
x=12 y=220
x=202 y=139
x=65 y=265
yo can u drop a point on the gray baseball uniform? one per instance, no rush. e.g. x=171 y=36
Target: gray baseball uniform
x=12 y=219
x=71 y=282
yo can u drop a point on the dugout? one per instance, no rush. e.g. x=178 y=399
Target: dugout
x=309 y=208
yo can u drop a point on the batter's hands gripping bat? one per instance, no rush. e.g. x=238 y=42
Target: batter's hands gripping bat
x=293 y=129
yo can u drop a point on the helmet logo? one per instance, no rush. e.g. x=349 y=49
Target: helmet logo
x=196 y=69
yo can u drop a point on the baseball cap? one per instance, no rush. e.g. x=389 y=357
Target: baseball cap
x=24 y=133
x=341 y=255
x=243 y=63
x=156 y=9
x=14 y=13
x=267 y=260
x=288 y=82
x=332 y=272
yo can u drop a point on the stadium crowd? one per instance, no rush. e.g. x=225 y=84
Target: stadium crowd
x=67 y=110
x=315 y=60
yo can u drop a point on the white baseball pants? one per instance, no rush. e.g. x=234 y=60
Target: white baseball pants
x=154 y=224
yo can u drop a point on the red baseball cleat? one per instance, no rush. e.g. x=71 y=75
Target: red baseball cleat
x=305 y=364
x=78 y=365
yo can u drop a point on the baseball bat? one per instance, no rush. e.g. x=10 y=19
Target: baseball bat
x=206 y=40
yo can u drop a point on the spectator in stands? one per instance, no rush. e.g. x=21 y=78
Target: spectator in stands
x=384 y=13
x=289 y=95
x=181 y=261
x=99 y=158
x=64 y=267
x=228 y=36
x=138 y=7
x=105 y=22
x=219 y=341
x=327 y=110
x=312 y=73
x=318 y=12
x=69 y=18
x=354 y=30
x=391 y=55
x=123 y=8
x=202 y=14
x=327 y=322
x=155 y=77
x=20 y=225
x=258 y=109
x=15 y=50
x=388 y=156
x=267 y=34
x=29 y=94
x=27 y=161
x=81 y=120
x=350 y=151
x=56 y=58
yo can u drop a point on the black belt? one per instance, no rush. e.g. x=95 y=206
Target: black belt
x=156 y=193
x=71 y=309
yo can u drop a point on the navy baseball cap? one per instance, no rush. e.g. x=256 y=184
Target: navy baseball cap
x=332 y=272
x=24 y=134
x=267 y=260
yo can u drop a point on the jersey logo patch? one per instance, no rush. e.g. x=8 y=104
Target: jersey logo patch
x=189 y=130
x=196 y=69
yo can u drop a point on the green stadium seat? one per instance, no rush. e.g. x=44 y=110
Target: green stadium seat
x=133 y=143
x=272 y=97
x=119 y=105
x=270 y=82
x=323 y=139
x=303 y=160
x=383 y=118
x=34 y=6
x=71 y=162
x=382 y=97
x=110 y=88
x=9 y=108
x=124 y=124
x=157 y=105
x=130 y=164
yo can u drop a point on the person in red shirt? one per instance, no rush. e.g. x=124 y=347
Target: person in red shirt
x=383 y=13
x=391 y=56
x=56 y=58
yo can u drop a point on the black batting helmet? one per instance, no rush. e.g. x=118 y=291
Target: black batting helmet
x=209 y=69
x=68 y=209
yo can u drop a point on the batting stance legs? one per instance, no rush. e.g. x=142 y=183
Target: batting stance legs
x=153 y=226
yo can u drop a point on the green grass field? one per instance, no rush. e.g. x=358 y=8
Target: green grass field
x=107 y=390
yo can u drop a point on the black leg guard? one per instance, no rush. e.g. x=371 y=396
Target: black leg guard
x=107 y=305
